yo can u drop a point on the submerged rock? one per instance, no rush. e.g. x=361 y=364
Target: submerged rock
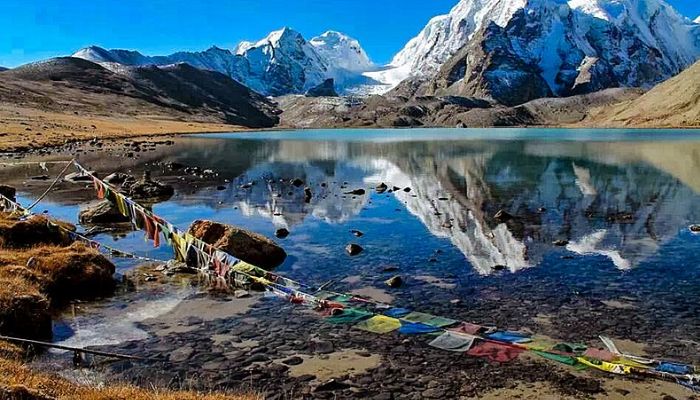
x=353 y=249
x=248 y=246
x=104 y=212
x=282 y=233
x=695 y=228
x=394 y=282
x=357 y=192
x=502 y=216
x=560 y=242
x=381 y=188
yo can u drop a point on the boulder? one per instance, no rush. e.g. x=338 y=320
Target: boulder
x=381 y=188
x=104 y=212
x=695 y=228
x=245 y=245
x=357 y=192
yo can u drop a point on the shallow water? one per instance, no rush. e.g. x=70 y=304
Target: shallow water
x=622 y=199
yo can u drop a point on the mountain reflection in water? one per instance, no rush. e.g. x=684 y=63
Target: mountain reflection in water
x=621 y=200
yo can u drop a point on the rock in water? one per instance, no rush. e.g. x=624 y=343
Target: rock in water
x=245 y=245
x=104 y=212
x=148 y=189
x=381 y=188
x=560 y=242
x=695 y=228
x=282 y=233
x=357 y=192
x=394 y=282
x=502 y=216
x=307 y=195
x=353 y=249
x=325 y=89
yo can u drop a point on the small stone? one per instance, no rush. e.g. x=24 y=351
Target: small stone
x=240 y=294
x=331 y=385
x=695 y=228
x=293 y=361
x=541 y=210
x=356 y=192
x=390 y=268
x=297 y=182
x=282 y=233
x=221 y=187
x=499 y=267
x=560 y=242
x=407 y=189
x=502 y=216
x=381 y=188
x=357 y=233
x=307 y=194
x=353 y=249
x=321 y=346
x=394 y=282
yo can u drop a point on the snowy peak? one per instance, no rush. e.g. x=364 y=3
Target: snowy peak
x=283 y=62
x=697 y=20
x=342 y=52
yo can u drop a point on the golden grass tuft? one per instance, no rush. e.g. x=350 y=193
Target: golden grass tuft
x=33 y=231
x=18 y=380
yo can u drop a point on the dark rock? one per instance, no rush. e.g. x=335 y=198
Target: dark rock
x=321 y=346
x=499 y=267
x=282 y=233
x=78 y=177
x=297 y=182
x=502 y=216
x=542 y=210
x=433 y=393
x=117 y=178
x=331 y=385
x=245 y=245
x=407 y=189
x=353 y=249
x=104 y=212
x=325 y=89
x=694 y=228
x=357 y=192
x=357 y=233
x=390 y=268
x=381 y=188
x=147 y=189
x=560 y=242
x=9 y=192
x=293 y=361
x=221 y=187
x=307 y=194
x=40 y=178
x=394 y=282
x=174 y=166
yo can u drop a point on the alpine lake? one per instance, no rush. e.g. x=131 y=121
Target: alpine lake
x=592 y=239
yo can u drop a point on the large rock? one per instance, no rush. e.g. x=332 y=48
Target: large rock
x=104 y=212
x=245 y=245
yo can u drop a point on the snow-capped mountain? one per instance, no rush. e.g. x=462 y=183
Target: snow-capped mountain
x=281 y=63
x=697 y=20
x=573 y=46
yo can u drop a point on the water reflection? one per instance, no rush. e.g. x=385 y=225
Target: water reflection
x=620 y=200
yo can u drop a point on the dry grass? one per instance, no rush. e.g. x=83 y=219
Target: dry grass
x=19 y=234
x=21 y=382
x=28 y=127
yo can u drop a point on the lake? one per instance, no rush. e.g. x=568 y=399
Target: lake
x=594 y=236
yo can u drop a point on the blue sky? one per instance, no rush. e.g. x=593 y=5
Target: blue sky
x=35 y=29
